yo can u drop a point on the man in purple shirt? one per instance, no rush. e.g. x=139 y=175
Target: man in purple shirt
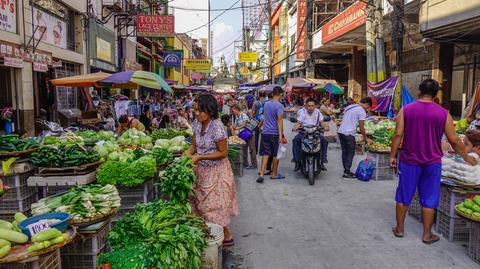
x=421 y=125
x=272 y=133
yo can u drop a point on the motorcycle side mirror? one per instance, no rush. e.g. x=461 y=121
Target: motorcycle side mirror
x=327 y=119
x=293 y=120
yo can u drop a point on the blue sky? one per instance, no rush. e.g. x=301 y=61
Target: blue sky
x=225 y=29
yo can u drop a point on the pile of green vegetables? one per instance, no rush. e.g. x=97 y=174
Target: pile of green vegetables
x=64 y=155
x=67 y=139
x=46 y=239
x=131 y=172
x=11 y=234
x=162 y=156
x=133 y=137
x=169 y=133
x=157 y=235
x=81 y=202
x=177 y=181
x=105 y=149
x=174 y=145
x=91 y=137
x=12 y=143
x=470 y=207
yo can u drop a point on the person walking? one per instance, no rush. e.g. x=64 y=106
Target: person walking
x=215 y=197
x=421 y=126
x=354 y=117
x=240 y=124
x=257 y=113
x=272 y=134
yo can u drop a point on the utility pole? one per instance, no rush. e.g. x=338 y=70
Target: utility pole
x=209 y=33
x=379 y=43
x=370 y=44
x=397 y=44
x=270 y=41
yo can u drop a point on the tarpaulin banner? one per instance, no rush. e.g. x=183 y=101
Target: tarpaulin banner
x=382 y=94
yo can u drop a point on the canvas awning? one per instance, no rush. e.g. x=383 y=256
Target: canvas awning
x=297 y=83
x=86 y=80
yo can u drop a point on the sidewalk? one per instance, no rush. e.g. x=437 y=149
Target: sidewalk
x=333 y=224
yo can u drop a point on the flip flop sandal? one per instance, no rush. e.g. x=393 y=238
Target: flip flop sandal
x=228 y=243
x=429 y=242
x=396 y=233
x=278 y=177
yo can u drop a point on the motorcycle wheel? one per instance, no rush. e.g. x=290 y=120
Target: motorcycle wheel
x=311 y=174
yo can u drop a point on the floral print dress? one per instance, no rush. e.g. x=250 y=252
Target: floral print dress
x=215 y=197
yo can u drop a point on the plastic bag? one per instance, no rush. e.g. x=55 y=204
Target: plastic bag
x=281 y=152
x=365 y=170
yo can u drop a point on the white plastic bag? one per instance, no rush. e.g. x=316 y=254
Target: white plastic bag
x=281 y=152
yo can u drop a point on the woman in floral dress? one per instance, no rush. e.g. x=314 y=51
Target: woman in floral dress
x=215 y=197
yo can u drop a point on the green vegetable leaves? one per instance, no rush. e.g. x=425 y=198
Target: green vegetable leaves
x=63 y=156
x=127 y=174
x=177 y=181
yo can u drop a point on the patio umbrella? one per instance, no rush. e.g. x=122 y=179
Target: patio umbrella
x=133 y=79
x=267 y=88
x=86 y=80
x=333 y=88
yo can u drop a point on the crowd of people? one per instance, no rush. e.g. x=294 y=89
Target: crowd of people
x=259 y=121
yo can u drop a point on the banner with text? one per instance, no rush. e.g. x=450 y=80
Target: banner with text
x=155 y=25
x=382 y=94
x=350 y=19
x=200 y=65
x=301 y=49
x=247 y=57
x=8 y=18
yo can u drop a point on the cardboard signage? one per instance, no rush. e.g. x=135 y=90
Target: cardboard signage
x=38 y=226
x=155 y=25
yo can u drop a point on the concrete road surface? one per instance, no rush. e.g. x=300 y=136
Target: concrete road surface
x=334 y=224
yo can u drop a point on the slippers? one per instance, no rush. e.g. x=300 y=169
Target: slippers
x=228 y=243
x=260 y=180
x=396 y=233
x=278 y=177
x=429 y=242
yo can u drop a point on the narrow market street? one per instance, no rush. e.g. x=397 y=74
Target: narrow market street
x=334 y=224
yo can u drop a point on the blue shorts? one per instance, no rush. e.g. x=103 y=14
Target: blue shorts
x=426 y=178
x=269 y=145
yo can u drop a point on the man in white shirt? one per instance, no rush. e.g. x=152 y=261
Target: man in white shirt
x=308 y=115
x=354 y=116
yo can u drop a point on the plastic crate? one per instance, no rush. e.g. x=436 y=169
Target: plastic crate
x=18 y=180
x=50 y=260
x=415 y=209
x=46 y=191
x=452 y=228
x=88 y=243
x=474 y=242
x=143 y=189
x=381 y=160
x=237 y=168
x=384 y=173
x=19 y=193
x=10 y=216
x=81 y=261
x=129 y=203
x=450 y=197
x=18 y=205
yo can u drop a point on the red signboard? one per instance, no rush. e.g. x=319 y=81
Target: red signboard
x=301 y=48
x=155 y=25
x=350 y=19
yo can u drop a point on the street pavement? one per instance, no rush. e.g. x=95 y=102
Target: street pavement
x=336 y=223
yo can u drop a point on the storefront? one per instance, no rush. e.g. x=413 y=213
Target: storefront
x=102 y=48
x=8 y=90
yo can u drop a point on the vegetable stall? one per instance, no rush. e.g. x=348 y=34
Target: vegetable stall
x=96 y=200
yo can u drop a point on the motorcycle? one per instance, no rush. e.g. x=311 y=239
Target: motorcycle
x=311 y=162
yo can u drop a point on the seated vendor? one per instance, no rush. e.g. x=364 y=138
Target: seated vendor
x=472 y=141
x=125 y=122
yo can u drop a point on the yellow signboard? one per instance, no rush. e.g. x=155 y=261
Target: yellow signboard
x=247 y=57
x=104 y=50
x=244 y=71
x=198 y=64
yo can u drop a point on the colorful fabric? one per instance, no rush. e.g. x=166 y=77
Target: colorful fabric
x=215 y=197
x=424 y=129
x=206 y=142
x=382 y=94
x=426 y=178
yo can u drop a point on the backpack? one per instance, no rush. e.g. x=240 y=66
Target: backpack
x=259 y=115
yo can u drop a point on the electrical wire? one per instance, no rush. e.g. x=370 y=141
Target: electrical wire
x=222 y=9
x=206 y=24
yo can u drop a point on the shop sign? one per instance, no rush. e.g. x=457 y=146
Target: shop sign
x=301 y=48
x=198 y=64
x=40 y=67
x=132 y=65
x=155 y=25
x=104 y=50
x=247 y=57
x=13 y=62
x=8 y=16
x=350 y=19
x=244 y=71
x=49 y=29
x=172 y=58
x=56 y=64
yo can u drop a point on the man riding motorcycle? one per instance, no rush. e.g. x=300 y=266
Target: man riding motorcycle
x=309 y=115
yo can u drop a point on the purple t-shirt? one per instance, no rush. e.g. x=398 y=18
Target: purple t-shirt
x=272 y=110
x=424 y=129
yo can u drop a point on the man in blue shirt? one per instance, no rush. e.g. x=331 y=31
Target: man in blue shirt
x=272 y=134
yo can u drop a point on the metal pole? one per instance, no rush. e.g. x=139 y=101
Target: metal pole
x=370 y=44
x=209 y=33
x=397 y=44
x=270 y=41
x=379 y=43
